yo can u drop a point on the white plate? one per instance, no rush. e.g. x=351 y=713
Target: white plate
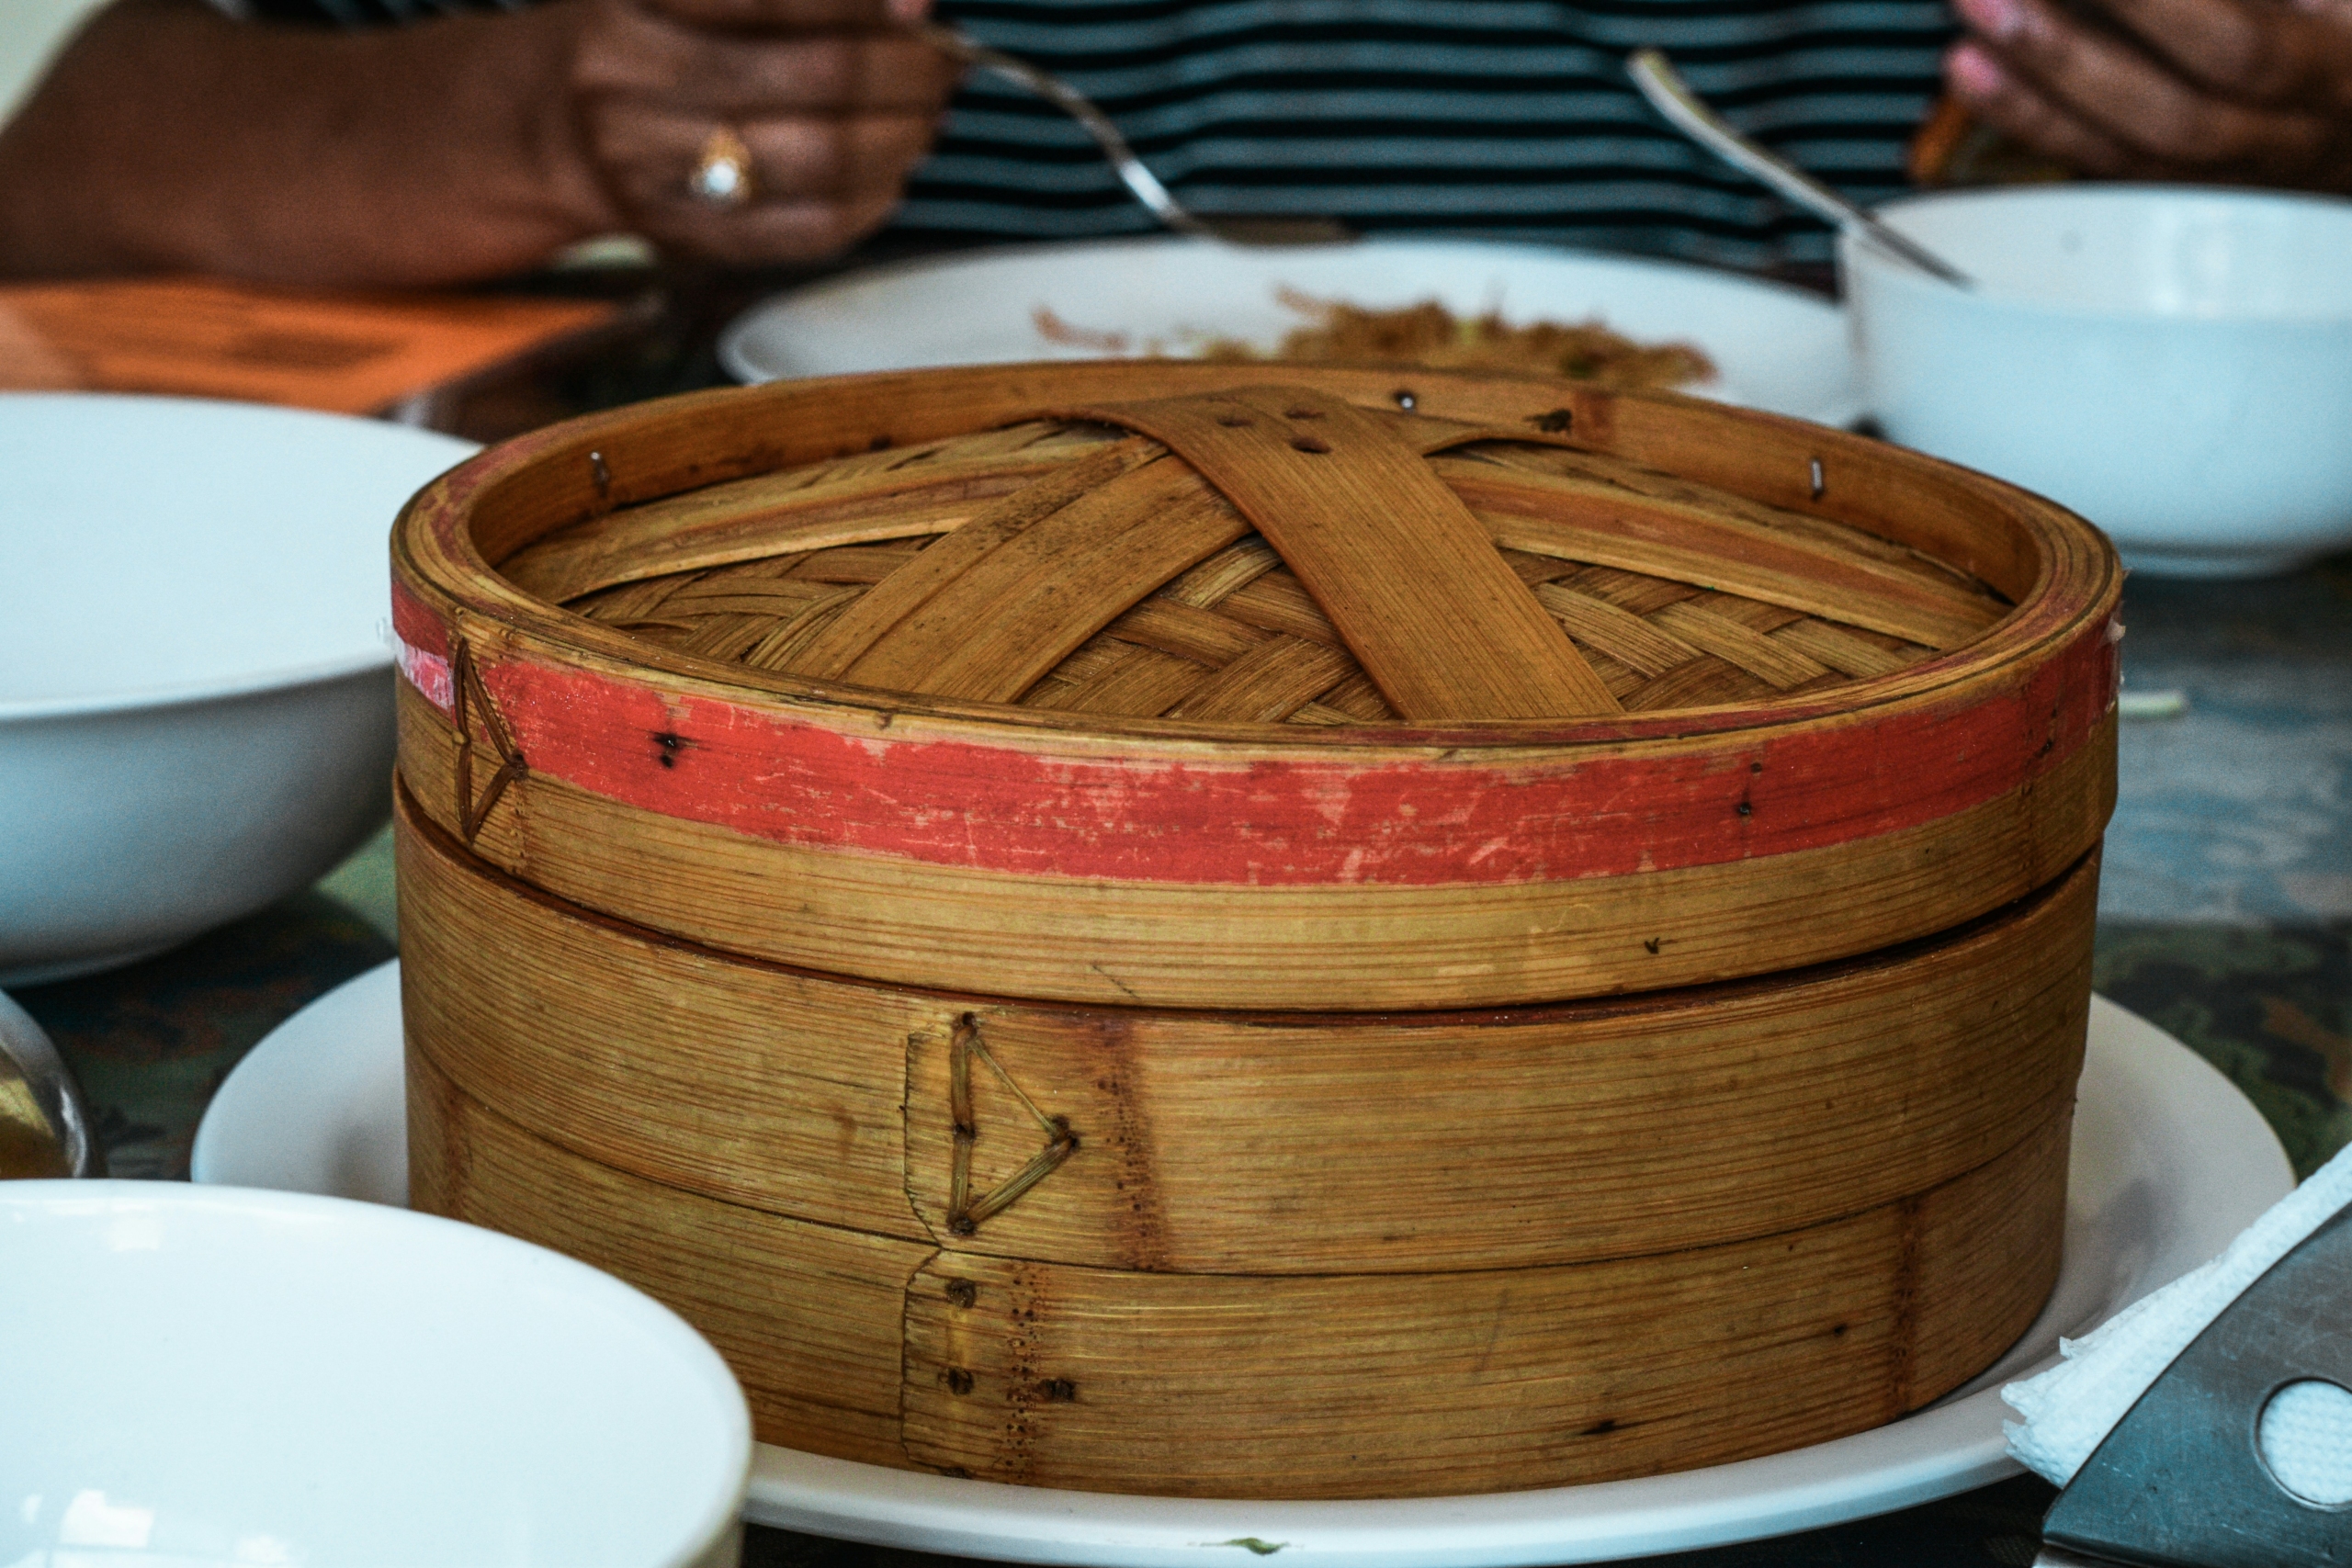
x=320 y=1105
x=2170 y=1162
x=1778 y=348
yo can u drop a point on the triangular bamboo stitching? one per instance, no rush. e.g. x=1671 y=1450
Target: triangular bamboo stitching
x=966 y=1213
x=467 y=690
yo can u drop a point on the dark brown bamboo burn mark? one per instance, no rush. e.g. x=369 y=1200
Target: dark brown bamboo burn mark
x=966 y=1213
x=467 y=690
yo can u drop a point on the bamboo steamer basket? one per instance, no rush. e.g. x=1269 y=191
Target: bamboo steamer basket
x=1251 y=931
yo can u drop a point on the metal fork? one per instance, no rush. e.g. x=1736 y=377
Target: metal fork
x=1140 y=181
x=1672 y=97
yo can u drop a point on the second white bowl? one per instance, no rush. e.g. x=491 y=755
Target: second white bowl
x=2175 y=363
x=195 y=687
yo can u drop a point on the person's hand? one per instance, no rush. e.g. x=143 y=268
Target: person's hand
x=2253 y=92
x=169 y=138
x=831 y=104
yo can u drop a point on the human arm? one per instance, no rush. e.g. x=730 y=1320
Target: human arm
x=170 y=137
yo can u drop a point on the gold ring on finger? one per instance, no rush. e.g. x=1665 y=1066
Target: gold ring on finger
x=722 y=176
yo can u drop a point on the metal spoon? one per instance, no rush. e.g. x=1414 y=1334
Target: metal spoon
x=44 y=1126
x=1672 y=97
x=1140 y=181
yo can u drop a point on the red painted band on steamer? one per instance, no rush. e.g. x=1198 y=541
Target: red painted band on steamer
x=1023 y=806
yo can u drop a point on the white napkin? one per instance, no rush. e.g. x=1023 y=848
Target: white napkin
x=2306 y=1434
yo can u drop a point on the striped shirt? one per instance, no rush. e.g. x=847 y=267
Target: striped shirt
x=1496 y=119
x=1500 y=119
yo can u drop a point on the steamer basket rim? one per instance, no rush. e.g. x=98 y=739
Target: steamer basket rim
x=436 y=559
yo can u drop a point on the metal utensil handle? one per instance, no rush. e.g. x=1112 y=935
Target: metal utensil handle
x=1139 y=180
x=1672 y=97
x=2181 y=1478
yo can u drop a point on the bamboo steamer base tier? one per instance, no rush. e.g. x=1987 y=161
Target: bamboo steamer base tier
x=1277 y=1255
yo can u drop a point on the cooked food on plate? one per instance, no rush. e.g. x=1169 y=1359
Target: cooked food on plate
x=1430 y=334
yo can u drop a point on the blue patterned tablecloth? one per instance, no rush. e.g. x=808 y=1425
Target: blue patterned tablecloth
x=2225 y=899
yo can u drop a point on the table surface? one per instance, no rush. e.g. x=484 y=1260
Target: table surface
x=2225 y=917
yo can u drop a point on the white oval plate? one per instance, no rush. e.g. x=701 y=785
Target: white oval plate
x=2170 y=1162
x=1778 y=348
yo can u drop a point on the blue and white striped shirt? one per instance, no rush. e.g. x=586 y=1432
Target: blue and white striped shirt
x=1500 y=119
x=1504 y=118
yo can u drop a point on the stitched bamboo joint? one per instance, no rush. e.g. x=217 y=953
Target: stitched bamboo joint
x=966 y=1211
x=469 y=695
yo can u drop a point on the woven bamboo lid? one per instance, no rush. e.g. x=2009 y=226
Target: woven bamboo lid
x=1172 y=685
x=1264 y=555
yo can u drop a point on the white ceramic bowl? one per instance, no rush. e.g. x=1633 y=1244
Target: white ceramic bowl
x=2175 y=363
x=195 y=671
x=203 y=1376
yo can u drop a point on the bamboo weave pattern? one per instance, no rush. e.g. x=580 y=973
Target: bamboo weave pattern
x=1069 y=565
